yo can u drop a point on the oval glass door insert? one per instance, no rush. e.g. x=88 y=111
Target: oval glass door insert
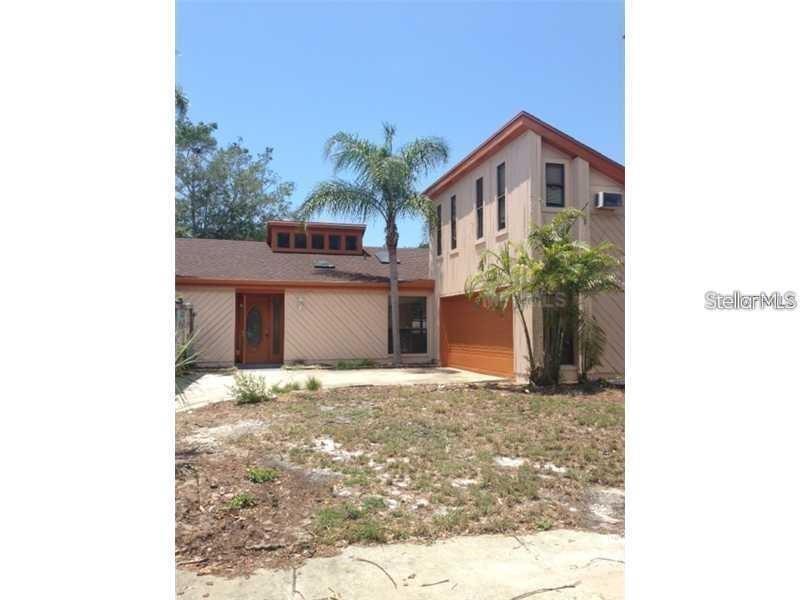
x=253 y=327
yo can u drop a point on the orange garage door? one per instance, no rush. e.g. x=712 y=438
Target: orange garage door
x=476 y=338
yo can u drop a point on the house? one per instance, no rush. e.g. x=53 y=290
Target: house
x=522 y=175
x=313 y=293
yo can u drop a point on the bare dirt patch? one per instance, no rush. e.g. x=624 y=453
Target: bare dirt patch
x=357 y=465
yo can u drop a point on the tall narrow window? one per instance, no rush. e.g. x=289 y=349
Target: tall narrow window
x=479 y=207
x=453 y=223
x=554 y=180
x=501 y=196
x=439 y=230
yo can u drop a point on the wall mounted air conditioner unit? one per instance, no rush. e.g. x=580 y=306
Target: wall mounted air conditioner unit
x=608 y=200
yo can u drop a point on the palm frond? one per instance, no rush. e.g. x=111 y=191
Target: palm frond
x=388 y=136
x=349 y=152
x=424 y=154
x=342 y=198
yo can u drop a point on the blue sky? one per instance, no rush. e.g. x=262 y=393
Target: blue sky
x=290 y=75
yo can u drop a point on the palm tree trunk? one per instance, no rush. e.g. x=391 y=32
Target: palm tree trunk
x=531 y=366
x=394 y=291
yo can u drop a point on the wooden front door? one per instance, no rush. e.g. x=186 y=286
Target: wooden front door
x=262 y=329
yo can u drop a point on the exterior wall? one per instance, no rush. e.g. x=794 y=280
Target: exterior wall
x=609 y=225
x=329 y=325
x=214 y=324
x=451 y=269
x=525 y=159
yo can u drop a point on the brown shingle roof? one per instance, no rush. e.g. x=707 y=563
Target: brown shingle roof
x=255 y=261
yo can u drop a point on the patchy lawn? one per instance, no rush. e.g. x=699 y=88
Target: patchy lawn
x=273 y=483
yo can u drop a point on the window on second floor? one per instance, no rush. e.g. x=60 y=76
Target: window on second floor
x=439 y=230
x=501 y=196
x=554 y=181
x=317 y=241
x=350 y=242
x=479 y=207
x=282 y=240
x=453 y=223
x=334 y=242
x=300 y=240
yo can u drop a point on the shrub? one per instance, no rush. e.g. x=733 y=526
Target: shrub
x=259 y=475
x=313 y=384
x=373 y=503
x=249 y=389
x=242 y=500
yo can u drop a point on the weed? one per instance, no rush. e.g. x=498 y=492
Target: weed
x=259 y=475
x=313 y=384
x=249 y=389
x=242 y=500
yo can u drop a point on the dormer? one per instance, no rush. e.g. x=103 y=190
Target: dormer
x=315 y=238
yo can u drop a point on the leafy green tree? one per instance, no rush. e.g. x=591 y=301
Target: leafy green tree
x=554 y=270
x=222 y=192
x=383 y=187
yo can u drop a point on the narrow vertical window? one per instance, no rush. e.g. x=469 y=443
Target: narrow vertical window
x=501 y=196
x=453 y=221
x=554 y=180
x=479 y=207
x=439 y=230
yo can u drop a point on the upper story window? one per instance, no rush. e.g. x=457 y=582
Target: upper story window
x=554 y=182
x=453 y=223
x=479 y=207
x=439 y=230
x=501 y=196
x=315 y=238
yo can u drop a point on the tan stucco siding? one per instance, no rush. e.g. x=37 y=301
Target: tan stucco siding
x=328 y=325
x=214 y=323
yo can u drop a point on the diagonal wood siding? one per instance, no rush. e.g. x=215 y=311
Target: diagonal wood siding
x=214 y=324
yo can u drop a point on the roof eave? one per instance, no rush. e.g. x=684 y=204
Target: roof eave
x=517 y=126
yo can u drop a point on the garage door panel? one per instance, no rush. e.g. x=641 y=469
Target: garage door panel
x=476 y=338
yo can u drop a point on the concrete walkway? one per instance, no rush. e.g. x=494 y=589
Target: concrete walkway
x=213 y=387
x=557 y=564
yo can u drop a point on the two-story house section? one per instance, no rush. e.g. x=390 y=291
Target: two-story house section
x=524 y=174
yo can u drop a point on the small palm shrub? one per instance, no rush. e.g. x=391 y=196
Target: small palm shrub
x=313 y=384
x=249 y=389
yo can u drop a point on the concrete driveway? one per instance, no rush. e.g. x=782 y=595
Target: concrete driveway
x=213 y=387
x=562 y=564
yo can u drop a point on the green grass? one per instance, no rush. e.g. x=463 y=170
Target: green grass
x=348 y=522
x=242 y=500
x=262 y=475
x=278 y=388
x=358 y=363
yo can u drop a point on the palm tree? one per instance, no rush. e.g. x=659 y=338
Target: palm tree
x=383 y=186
